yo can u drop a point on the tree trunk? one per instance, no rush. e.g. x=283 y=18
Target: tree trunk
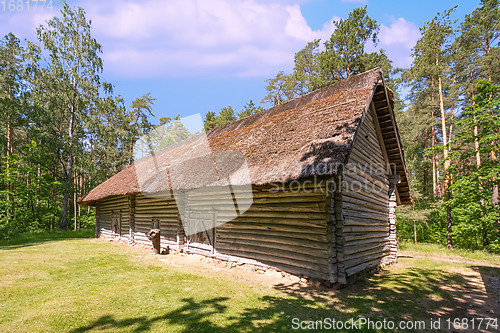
x=446 y=159
x=9 y=155
x=435 y=189
x=69 y=178
x=443 y=125
x=476 y=131
x=434 y=171
x=10 y=138
x=476 y=143
x=415 y=231
x=75 y=182
x=64 y=209
x=425 y=183
x=132 y=140
x=449 y=239
x=495 y=197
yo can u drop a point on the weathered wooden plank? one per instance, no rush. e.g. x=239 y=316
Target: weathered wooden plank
x=361 y=194
x=362 y=235
x=368 y=265
x=366 y=258
x=360 y=228
x=362 y=197
x=352 y=221
x=364 y=204
x=319 y=223
x=369 y=216
x=263 y=237
x=273 y=227
x=358 y=183
x=283 y=250
x=297 y=235
x=304 y=266
x=367 y=252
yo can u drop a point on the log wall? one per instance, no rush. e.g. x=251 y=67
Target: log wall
x=148 y=209
x=287 y=229
x=114 y=207
x=364 y=201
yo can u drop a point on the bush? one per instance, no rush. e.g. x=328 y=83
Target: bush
x=88 y=220
x=9 y=231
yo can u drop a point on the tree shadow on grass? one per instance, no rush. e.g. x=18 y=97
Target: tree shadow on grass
x=416 y=294
x=491 y=278
x=194 y=315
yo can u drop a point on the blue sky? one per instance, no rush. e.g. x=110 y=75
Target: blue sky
x=194 y=56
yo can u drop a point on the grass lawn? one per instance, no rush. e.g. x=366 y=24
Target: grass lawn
x=50 y=283
x=440 y=251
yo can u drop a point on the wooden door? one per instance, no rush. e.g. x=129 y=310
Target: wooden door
x=201 y=230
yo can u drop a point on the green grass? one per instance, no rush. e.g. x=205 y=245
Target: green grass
x=426 y=249
x=81 y=285
x=46 y=235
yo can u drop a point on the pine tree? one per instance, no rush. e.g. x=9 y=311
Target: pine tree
x=307 y=70
x=140 y=109
x=346 y=47
x=249 y=109
x=279 y=89
x=431 y=62
x=11 y=70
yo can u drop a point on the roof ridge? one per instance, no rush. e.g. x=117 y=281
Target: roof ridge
x=291 y=104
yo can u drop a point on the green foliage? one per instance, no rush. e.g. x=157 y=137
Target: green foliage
x=67 y=133
x=168 y=133
x=226 y=115
x=87 y=220
x=477 y=215
x=307 y=69
x=345 y=51
x=343 y=57
x=30 y=198
x=279 y=89
x=40 y=236
x=249 y=109
x=426 y=218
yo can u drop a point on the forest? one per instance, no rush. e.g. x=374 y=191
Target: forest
x=63 y=130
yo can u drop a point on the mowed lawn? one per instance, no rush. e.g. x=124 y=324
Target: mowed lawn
x=53 y=284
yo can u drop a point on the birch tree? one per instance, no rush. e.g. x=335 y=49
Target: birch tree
x=69 y=77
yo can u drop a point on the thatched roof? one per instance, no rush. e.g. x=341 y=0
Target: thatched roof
x=284 y=143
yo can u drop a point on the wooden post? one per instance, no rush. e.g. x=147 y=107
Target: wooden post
x=339 y=231
x=393 y=236
x=181 y=204
x=213 y=232
x=131 y=217
x=330 y=229
x=97 y=223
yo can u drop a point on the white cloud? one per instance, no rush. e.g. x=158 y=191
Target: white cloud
x=23 y=24
x=398 y=40
x=178 y=37
x=400 y=32
x=225 y=38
